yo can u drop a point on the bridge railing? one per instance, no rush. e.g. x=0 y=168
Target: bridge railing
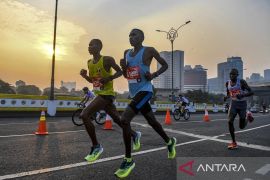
x=26 y=102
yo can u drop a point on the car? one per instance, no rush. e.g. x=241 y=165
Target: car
x=255 y=109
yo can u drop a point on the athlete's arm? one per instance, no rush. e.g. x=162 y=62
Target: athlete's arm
x=109 y=62
x=228 y=92
x=123 y=64
x=160 y=60
x=245 y=86
x=154 y=54
x=83 y=73
x=117 y=69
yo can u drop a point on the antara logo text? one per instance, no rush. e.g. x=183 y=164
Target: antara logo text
x=219 y=167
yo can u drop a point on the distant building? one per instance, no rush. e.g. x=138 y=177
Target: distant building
x=267 y=75
x=256 y=77
x=68 y=85
x=213 y=85
x=20 y=83
x=224 y=69
x=164 y=81
x=195 y=79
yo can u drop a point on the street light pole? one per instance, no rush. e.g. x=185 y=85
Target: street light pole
x=53 y=55
x=172 y=34
x=172 y=72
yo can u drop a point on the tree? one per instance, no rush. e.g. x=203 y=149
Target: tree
x=47 y=91
x=20 y=83
x=29 y=89
x=197 y=96
x=215 y=98
x=6 y=88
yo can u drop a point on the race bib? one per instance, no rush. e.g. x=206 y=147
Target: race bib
x=97 y=86
x=234 y=93
x=133 y=74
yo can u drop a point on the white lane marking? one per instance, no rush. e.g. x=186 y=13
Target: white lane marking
x=243 y=144
x=40 y=171
x=251 y=129
x=246 y=130
x=180 y=122
x=202 y=138
x=158 y=116
x=201 y=121
x=21 y=135
x=215 y=138
x=263 y=170
x=141 y=124
x=214 y=120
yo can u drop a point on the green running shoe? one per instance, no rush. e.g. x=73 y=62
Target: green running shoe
x=136 y=141
x=171 y=148
x=94 y=154
x=125 y=169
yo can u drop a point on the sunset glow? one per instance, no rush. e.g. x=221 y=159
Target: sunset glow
x=218 y=29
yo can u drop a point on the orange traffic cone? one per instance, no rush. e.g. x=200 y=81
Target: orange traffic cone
x=206 y=116
x=108 y=123
x=42 y=125
x=168 y=118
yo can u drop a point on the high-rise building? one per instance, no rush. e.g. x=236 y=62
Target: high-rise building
x=164 y=81
x=68 y=85
x=267 y=75
x=213 y=85
x=224 y=69
x=195 y=79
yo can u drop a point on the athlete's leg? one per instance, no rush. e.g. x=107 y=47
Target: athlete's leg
x=92 y=108
x=148 y=114
x=110 y=109
x=182 y=107
x=128 y=163
x=242 y=115
x=87 y=112
x=126 y=118
x=231 y=116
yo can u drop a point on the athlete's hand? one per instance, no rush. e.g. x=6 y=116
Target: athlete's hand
x=148 y=76
x=239 y=96
x=83 y=73
x=123 y=64
x=105 y=80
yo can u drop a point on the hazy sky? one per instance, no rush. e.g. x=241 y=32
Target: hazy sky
x=219 y=29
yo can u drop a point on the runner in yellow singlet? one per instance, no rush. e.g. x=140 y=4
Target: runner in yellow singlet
x=101 y=76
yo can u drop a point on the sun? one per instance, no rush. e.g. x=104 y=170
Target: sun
x=47 y=49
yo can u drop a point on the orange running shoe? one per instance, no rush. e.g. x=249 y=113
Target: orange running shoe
x=250 y=117
x=232 y=146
